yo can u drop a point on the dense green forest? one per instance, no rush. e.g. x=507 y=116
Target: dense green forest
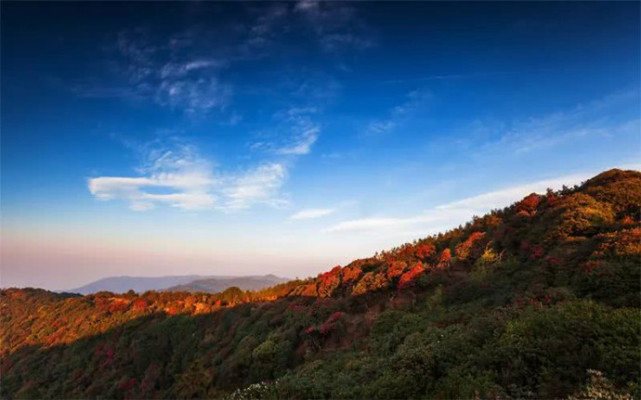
x=538 y=300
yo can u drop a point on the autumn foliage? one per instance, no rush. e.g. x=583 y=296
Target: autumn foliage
x=519 y=303
x=425 y=251
x=408 y=277
x=464 y=248
x=527 y=206
x=445 y=258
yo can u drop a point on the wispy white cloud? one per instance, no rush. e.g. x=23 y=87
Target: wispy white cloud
x=258 y=186
x=454 y=213
x=381 y=127
x=170 y=71
x=193 y=95
x=391 y=225
x=399 y=114
x=180 y=177
x=137 y=52
x=313 y=213
x=302 y=143
x=189 y=83
x=174 y=69
x=307 y=6
x=270 y=22
x=295 y=134
x=186 y=179
x=184 y=70
x=336 y=25
x=504 y=197
x=595 y=118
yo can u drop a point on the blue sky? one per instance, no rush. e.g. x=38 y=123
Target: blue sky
x=244 y=138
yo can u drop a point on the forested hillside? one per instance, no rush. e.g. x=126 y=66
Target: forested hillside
x=538 y=300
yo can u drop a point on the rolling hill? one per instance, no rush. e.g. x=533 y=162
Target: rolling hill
x=123 y=284
x=538 y=300
x=187 y=283
x=219 y=284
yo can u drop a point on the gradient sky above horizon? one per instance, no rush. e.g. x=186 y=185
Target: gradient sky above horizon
x=251 y=138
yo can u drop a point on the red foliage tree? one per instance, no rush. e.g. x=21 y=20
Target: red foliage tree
x=537 y=252
x=551 y=198
x=425 y=251
x=463 y=249
x=407 y=251
x=351 y=274
x=327 y=328
x=444 y=259
x=395 y=269
x=310 y=290
x=118 y=305
x=335 y=316
x=109 y=356
x=369 y=282
x=408 y=278
x=172 y=310
x=627 y=220
x=528 y=205
x=139 y=304
x=328 y=282
x=591 y=266
x=446 y=256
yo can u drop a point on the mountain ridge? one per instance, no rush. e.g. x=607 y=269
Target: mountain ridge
x=217 y=285
x=537 y=300
x=122 y=284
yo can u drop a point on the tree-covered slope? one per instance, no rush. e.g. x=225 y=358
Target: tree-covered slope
x=538 y=300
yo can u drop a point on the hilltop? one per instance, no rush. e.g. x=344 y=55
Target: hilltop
x=122 y=284
x=538 y=300
x=219 y=284
x=186 y=283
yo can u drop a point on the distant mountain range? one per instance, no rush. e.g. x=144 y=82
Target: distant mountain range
x=187 y=283
x=219 y=284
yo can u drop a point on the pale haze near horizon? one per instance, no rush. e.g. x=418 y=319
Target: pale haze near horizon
x=74 y=261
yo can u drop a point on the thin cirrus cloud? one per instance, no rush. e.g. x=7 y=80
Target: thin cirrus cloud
x=335 y=24
x=312 y=213
x=304 y=131
x=181 y=178
x=176 y=70
x=259 y=186
x=592 y=119
x=449 y=215
x=149 y=68
x=301 y=132
x=398 y=114
x=302 y=142
x=193 y=95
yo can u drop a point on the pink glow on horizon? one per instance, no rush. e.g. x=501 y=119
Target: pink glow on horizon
x=62 y=263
